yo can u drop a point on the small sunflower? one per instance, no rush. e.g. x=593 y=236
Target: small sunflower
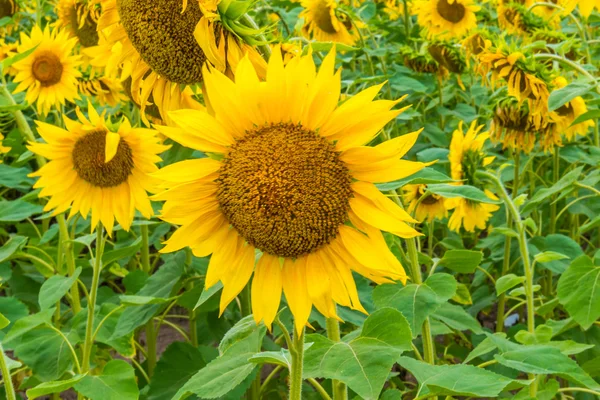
x=444 y=19
x=466 y=157
x=49 y=74
x=107 y=90
x=292 y=178
x=3 y=149
x=8 y=50
x=8 y=9
x=163 y=49
x=515 y=127
x=80 y=18
x=553 y=15
x=427 y=208
x=565 y=115
x=323 y=24
x=94 y=169
x=421 y=62
x=517 y=18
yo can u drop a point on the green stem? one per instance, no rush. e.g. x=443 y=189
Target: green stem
x=89 y=329
x=553 y=216
x=406 y=21
x=428 y=345
x=430 y=230
x=8 y=384
x=150 y=328
x=67 y=248
x=297 y=353
x=253 y=392
x=340 y=392
x=505 y=268
x=578 y=389
x=571 y=64
x=264 y=46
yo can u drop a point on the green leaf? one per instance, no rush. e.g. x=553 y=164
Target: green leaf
x=15 y=178
x=546 y=360
x=12 y=309
x=26 y=324
x=564 y=245
x=122 y=253
x=176 y=366
x=228 y=370
x=457 y=318
x=579 y=291
x=4 y=322
x=592 y=114
x=122 y=344
x=427 y=175
x=462 y=261
x=18 y=210
x=133 y=300
x=506 y=231
x=462 y=296
x=458 y=380
x=562 y=96
x=52 y=387
x=326 y=47
x=416 y=302
x=465 y=191
x=548 y=256
x=116 y=382
x=208 y=293
x=507 y=282
x=363 y=362
x=14 y=244
x=281 y=357
x=561 y=186
x=55 y=288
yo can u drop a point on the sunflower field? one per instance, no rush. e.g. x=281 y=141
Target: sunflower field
x=299 y=199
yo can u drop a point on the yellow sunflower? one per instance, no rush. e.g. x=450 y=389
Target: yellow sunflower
x=107 y=90
x=466 y=157
x=94 y=169
x=7 y=50
x=80 y=19
x=8 y=8
x=428 y=208
x=587 y=6
x=565 y=115
x=164 y=49
x=444 y=19
x=49 y=73
x=3 y=149
x=322 y=24
x=514 y=127
x=289 y=176
x=553 y=15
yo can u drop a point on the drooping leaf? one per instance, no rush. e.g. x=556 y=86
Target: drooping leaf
x=562 y=96
x=18 y=210
x=52 y=387
x=563 y=183
x=14 y=244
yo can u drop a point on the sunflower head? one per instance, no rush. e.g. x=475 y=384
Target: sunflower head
x=8 y=8
x=469 y=214
x=97 y=167
x=290 y=181
x=448 y=56
x=517 y=18
x=107 y=90
x=444 y=19
x=423 y=205
x=80 y=18
x=419 y=61
x=514 y=126
x=323 y=23
x=566 y=114
x=49 y=74
x=466 y=152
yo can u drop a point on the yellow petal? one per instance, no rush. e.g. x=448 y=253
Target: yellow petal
x=111 y=145
x=296 y=291
x=266 y=289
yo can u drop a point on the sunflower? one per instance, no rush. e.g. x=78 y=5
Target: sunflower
x=565 y=115
x=323 y=24
x=289 y=176
x=517 y=18
x=163 y=49
x=444 y=19
x=8 y=8
x=552 y=14
x=466 y=157
x=3 y=149
x=107 y=90
x=421 y=62
x=522 y=77
x=514 y=126
x=587 y=6
x=80 y=18
x=8 y=50
x=424 y=208
x=49 y=73
x=92 y=168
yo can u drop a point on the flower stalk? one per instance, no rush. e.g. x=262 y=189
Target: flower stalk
x=8 y=384
x=150 y=328
x=297 y=353
x=340 y=391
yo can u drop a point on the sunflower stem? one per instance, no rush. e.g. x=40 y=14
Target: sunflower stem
x=430 y=230
x=67 y=248
x=406 y=21
x=571 y=64
x=428 y=344
x=8 y=384
x=150 y=328
x=297 y=353
x=91 y=306
x=253 y=392
x=265 y=49
x=528 y=268
x=340 y=391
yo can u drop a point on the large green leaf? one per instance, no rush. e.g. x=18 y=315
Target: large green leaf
x=24 y=325
x=458 y=380
x=122 y=253
x=15 y=178
x=579 y=291
x=116 y=382
x=52 y=387
x=416 y=302
x=14 y=244
x=457 y=318
x=176 y=366
x=55 y=288
x=427 y=175
x=362 y=362
x=562 y=96
x=18 y=210
x=462 y=261
x=231 y=368
x=13 y=310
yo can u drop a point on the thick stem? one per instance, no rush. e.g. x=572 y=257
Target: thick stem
x=430 y=229
x=571 y=64
x=91 y=307
x=253 y=392
x=428 y=344
x=340 y=392
x=297 y=353
x=505 y=269
x=8 y=384
x=150 y=328
x=67 y=248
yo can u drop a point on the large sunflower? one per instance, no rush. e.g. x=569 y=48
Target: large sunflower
x=466 y=157
x=446 y=18
x=49 y=73
x=94 y=169
x=163 y=49
x=323 y=24
x=289 y=176
x=80 y=18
